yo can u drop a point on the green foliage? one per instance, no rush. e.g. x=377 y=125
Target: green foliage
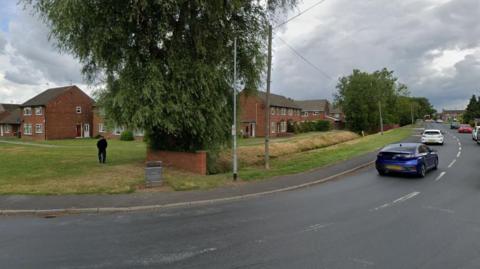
x=127 y=136
x=362 y=94
x=167 y=65
x=311 y=126
x=472 y=111
x=216 y=165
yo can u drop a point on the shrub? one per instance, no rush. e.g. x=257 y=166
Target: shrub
x=323 y=125
x=127 y=136
x=217 y=165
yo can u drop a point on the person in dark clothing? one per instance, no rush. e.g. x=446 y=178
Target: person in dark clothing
x=102 y=149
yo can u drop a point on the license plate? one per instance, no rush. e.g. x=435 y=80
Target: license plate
x=394 y=167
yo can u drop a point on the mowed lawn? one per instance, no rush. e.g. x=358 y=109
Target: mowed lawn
x=70 y=167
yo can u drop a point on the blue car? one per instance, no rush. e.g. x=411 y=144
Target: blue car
x=407 y=158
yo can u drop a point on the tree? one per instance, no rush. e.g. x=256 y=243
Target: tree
x=472 y=111
x=167 y=65
x=360 y=95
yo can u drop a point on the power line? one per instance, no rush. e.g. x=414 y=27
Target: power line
x=305 y=59
x=301 y=13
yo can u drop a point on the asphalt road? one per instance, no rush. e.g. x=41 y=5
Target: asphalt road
x=359 y=221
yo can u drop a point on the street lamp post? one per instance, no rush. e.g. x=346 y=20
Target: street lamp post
x=234 y=125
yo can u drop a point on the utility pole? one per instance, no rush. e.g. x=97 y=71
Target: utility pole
x=411 y=112
x=267 y=99
x=381 y=119
x=234 y=125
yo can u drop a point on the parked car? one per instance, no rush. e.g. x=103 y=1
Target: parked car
x=439 y=121
x=432 y=136
x=407 y=158
x=454 y=125
x=465 y=128
x=475 y=132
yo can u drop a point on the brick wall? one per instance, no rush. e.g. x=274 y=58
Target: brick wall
x=63 y=119
x=194 y=162
x=33 y=119
x=13 y=130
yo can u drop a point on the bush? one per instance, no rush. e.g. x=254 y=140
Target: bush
x=127 y=136
x=323 y=125
x=312 y=126
x=217 y=165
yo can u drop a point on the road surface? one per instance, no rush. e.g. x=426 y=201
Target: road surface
x=359 y=221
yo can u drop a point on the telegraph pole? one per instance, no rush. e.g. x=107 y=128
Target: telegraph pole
x=411 y=112
x=381 y=119
x=267 y=99
x=234 y=125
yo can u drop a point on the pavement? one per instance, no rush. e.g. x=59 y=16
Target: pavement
x=361 y=221
x=31 y=204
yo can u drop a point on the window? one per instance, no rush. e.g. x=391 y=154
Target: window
x=290 y=112
x=38 y=128
x=101 y=128
x=38 y=111
x=118 y=130
x=283 y=127
x=27 y=111
x=272 y=110
x=273 y=127
x=27 y=129
x=316 y=113
x=78 y=109
x=7 y=128
x=138 y=133
x=304 y=114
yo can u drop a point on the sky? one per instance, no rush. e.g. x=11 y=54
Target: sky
x=433 y=46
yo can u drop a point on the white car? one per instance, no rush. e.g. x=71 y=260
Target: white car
x=475 y=133
x=432 y=136
x=439 y=121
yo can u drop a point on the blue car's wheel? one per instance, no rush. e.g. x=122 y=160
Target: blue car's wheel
x=423 y=171
x=435 y=167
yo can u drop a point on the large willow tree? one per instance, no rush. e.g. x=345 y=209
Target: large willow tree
x=167 y=64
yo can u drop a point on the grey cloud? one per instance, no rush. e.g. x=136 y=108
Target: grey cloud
x=35 y=54
x=3 y=43
x=402 y=35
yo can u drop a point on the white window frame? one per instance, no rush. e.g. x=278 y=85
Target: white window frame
x=273 y=127
x=25 y=109
x=101 y=127
x=305 y=114
x=39 y=111
x=27 y=129
x=316 y=113
x=138 y=133
x=118 y=130
x=39 y=128
x=290 y=112
x=78 y=109
x=7 y=128
x=272 y=111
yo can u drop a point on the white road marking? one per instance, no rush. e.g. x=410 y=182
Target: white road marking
x=440 y=176
x=458 y=154
x=451 y=164
x=316 y=227
x=363 y=262
x=449 y=211
x=399 y=200
x=459 y=144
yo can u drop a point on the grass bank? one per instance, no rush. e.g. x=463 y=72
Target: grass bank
x=71 y=166
x=293 y=163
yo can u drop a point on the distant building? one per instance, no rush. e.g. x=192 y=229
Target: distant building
x=57 y=113
x=448 y=115
x=314 y=109
x=282 y=110
x=10 y=119
x=100 y=127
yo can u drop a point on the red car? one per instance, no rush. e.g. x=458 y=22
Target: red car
x=465 y=128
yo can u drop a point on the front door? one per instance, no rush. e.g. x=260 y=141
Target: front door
x=79 y=130
x=86 y=130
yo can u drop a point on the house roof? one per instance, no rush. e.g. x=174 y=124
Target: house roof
x=313 y=105
x=46 y=96
x=10 y=114
x=278 y=100
x=453 y=111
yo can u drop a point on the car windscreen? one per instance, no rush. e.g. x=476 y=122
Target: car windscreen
x=431 y=133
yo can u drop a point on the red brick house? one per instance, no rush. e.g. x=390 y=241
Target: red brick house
x=10 y=118
x=57 y=113
x=100 y=127
x=253 y=106
x=313 y=110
